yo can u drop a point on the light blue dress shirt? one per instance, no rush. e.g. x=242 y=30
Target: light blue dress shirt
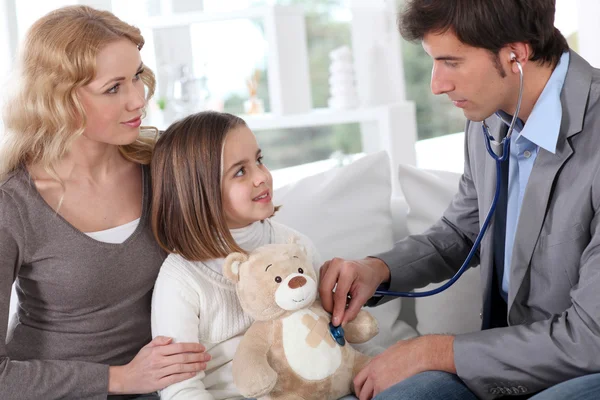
x=541 y=130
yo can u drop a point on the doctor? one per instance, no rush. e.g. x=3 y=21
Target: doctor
x=540 y=258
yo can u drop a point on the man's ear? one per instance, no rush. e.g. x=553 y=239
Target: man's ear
x=231 y=268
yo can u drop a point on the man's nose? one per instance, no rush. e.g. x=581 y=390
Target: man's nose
x=440 y=84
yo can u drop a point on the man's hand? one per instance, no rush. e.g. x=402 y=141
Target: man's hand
x=359 y=278
x=403 y=360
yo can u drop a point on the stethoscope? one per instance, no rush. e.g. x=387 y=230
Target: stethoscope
x=499 y=151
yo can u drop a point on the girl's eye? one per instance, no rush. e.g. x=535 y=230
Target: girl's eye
x=259 y=160
x=241 y=172
x=113 y=89
x=278 y=279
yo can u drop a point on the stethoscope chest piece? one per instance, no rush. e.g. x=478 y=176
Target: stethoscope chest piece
x=337 y=332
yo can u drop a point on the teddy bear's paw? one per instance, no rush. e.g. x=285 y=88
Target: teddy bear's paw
x=364 y=327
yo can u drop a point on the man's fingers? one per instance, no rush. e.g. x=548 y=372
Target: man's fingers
x=354 y=307
x=329 y=277
x=359 y=380
x=340 y=297
x=323 y=269
x=367 y=391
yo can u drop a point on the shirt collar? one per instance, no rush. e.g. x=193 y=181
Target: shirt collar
x=543 y=125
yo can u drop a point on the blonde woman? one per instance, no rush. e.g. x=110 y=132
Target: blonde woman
x=74 y=219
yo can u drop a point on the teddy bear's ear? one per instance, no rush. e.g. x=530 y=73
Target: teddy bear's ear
x=231 y=268
x=293 y=239
x=296 y=240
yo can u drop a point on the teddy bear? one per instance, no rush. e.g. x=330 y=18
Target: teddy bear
x=288 y=352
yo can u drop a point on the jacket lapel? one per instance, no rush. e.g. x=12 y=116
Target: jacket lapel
x=539 y=187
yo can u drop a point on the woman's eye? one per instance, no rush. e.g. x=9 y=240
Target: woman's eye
x=113 y=89
x=259 y=160
x=138 y=75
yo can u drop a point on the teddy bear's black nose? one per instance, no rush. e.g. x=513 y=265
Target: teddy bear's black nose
x=297 y=282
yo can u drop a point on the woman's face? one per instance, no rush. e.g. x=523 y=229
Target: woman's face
x=247 y=185
x=114 y=99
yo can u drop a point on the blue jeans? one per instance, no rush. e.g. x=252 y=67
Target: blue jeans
x=428 y=386
x=441 y=385
x=583 y=388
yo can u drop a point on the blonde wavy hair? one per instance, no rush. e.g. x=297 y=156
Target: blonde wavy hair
x=44 y=114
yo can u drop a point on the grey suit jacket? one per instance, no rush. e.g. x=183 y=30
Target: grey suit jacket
x=553 y=317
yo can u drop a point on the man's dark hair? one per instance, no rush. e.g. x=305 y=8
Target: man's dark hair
x=488 y=24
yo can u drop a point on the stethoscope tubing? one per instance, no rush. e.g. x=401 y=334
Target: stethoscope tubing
x=477 y=242
x=499 y=158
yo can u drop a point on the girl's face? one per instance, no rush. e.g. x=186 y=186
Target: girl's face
x=247 y=185
x=114 y=99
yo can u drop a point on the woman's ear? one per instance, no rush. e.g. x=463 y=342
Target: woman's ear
x=231 y=267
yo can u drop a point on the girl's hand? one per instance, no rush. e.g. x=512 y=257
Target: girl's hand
x=157 y=365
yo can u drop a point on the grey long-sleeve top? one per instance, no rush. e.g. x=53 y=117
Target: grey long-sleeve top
x=83 y=304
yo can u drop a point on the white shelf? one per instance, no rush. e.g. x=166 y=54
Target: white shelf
x=317 y=117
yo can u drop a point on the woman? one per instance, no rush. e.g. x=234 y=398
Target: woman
x=74 y=209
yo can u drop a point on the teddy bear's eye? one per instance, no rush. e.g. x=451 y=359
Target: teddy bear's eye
x=300 y=270
x=278 y=279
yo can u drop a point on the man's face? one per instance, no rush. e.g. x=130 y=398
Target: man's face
x=473 y=78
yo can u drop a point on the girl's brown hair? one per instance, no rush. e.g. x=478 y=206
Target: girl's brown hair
x=187 y=212
x=44 y=115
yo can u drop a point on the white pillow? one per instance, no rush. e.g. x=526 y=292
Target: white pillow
x=428 y=194
x=456 y=310
x=346 y=213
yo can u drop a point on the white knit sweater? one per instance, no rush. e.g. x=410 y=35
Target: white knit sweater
x=194 y=302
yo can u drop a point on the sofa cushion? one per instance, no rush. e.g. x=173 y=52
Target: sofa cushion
x=346 y=212
x=456 y=310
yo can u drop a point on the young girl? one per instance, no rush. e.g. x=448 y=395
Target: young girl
x=212 y=195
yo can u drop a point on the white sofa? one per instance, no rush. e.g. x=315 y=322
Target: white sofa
x=349 y=212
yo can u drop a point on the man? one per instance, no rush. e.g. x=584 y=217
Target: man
x=540 y=258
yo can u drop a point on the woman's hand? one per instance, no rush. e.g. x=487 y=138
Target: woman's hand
x=157 y=365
